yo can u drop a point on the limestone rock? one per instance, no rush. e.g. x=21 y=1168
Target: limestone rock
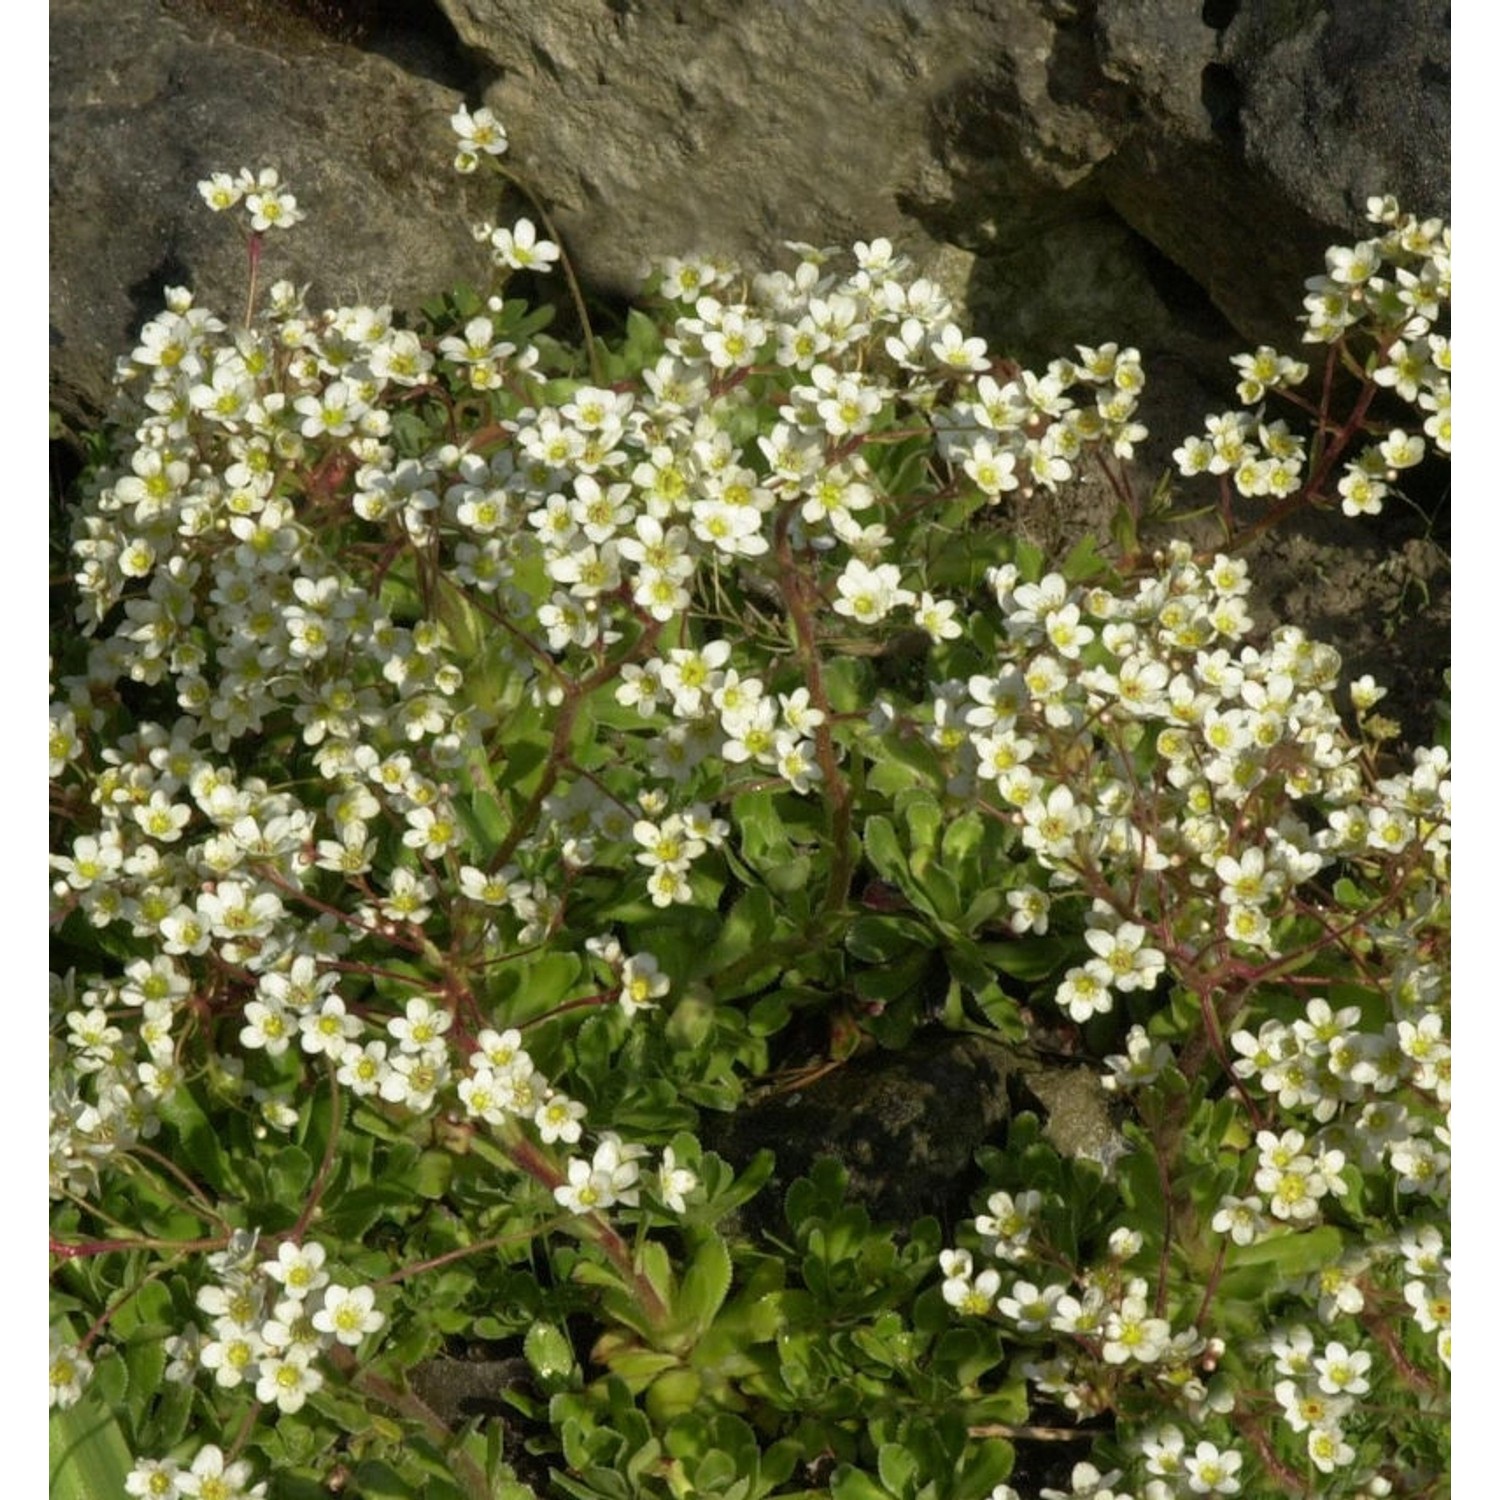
x=148 y=98
x=1304 y=111
x=1161 y=172
x=1344 y=99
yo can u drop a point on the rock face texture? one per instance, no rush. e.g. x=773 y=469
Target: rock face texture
x=904 y=1126
x=1162 y=172
x=148 y=98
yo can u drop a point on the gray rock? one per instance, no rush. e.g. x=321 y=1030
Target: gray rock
x=1161 y=172
x=718 y=126
x=1344 y=99
x=1075 y=1114
x=459 y=1390
x=904 y=1125
x=1304 y=111
x=147 y=99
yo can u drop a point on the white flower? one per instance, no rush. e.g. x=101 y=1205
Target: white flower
x=348 y=1313
x=585 y=1190
x=68 y=1371
x=675 y=1182
x=521 y=250
x=869 y=594
x=935 y=616
x=1130 y=1333
x=288 y=1380
x=479 y=131
x=1210 y=1472
x=154 y=1479
x=299 y=1268
x=641 y=983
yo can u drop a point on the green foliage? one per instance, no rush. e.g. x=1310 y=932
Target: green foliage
x=482 y=760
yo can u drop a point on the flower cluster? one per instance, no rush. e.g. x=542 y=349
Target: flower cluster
x=269 y=1321
x=1195 y=798
x=427 y=691
x=1189 y=794
x=1391 y=290
x=267 y=202
x=210 y=1476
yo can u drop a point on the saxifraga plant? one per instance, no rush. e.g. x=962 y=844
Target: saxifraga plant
x=474 y=752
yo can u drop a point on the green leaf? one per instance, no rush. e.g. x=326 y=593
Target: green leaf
x=901 y=763
x=1031 y=959
x=923 y=816
x=379 y=1481
x=409 y=433
x=549 y=1352
x=766 y=846
x=656 y=1265
x=903 y=467
x=1084 y=561
x=897 y=1468
x=149 y=1310
x=937 y=891
x=1140 y=1183
x=87 y=1455
x=353 y=1213
x=111 y=1380
x=433 y=1173
x=520 y=321
x=769 y=1014
x=966 y=964
x=855 y=1484
x=640 y=346
x=288 y=1174
x=968 y=1353
x=199 y=1140
x=961 y=562
x=1030 y=561
x=762 y=834
x=884 y=851
x=705 y=1285
x=1001 y=1010
x=849 y=683
x=716 y=1473
x=1008 y=1406
x=876 y=940
x=987 y=903
x=987 y=1466
x=603 y=1485
x=789 y=876
x=145 y=1362
x=1295 y=1253
x=672 y=1393
x=636 y=1366
x=483 y=821
x=747 y=927
x=723 y=1194
x=818 y=1195
x=963 y=839
x=894 y=978
x=533 y=989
